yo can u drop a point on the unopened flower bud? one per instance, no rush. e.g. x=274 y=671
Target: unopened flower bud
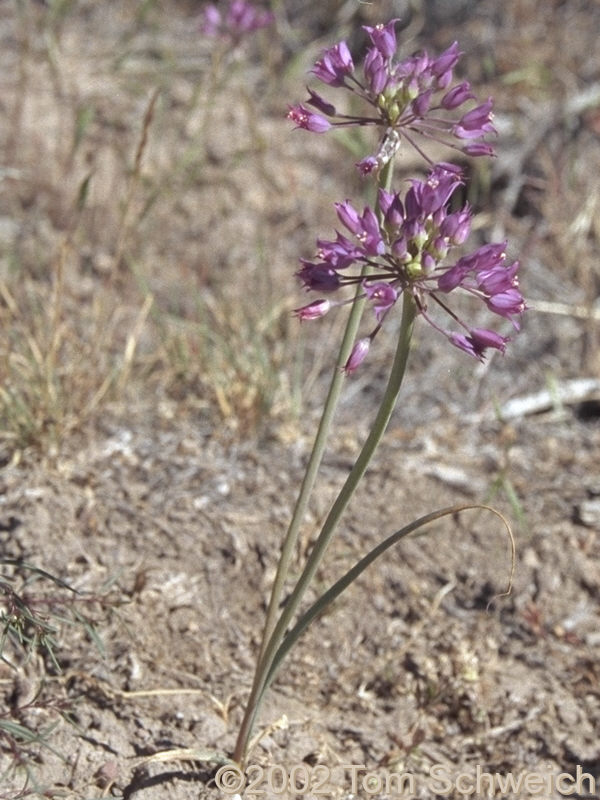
x=358 y=355
x=314 y=310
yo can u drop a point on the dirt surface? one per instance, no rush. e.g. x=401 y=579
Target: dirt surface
x=168 y=519
x=411 y=668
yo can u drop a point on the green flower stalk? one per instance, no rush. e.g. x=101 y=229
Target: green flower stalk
x=306 y=488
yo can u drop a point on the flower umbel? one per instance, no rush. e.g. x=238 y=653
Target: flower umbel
x=408 y=252
x=412 y=98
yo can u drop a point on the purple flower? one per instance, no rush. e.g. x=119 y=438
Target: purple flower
x=477 y=149
x=318 y=276
x=308 y=119
x=365 y=228
x=334 y=65
x=375 y=71
x=349 y=217
x=478 y=341
x=476 y=123
x=338 y=254
x=443 y=65
x=499 y=278
x=483 y=338
x=457 y=226
x=243 y=17
x=392 y=208
x=367 y=165
x=420 y=106
x=358 y=355
x=481 y=261
x=240 y=19
x=383 y=37
x=211 y=21
x=371 y=235
x=457 y=96
x=507 y=304
x=407 y=252
x=384 y=296
x=314 y=310
x=427 y=197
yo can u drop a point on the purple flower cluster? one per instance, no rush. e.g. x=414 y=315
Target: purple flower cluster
x=240 y=19
x=407 y=98
x=405 y=249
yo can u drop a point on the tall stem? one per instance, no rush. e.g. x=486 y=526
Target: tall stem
x=310 y=476
x=308 y=482
x=358 y=470
x=316 y=456
x=289 y=544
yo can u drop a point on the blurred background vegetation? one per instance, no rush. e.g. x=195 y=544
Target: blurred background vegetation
x=154 y=201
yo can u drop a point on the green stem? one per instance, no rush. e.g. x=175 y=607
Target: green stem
x=358 y=470
x=312 y=469
x=289 y=544
x=317 y=452
x=306 y=488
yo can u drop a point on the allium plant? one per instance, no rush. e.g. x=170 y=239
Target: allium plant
x=402 y=251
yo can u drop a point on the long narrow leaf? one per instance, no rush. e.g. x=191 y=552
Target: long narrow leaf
x=334 y=592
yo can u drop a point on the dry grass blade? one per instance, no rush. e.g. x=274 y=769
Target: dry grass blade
x=564 y=309
x=133 y=182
